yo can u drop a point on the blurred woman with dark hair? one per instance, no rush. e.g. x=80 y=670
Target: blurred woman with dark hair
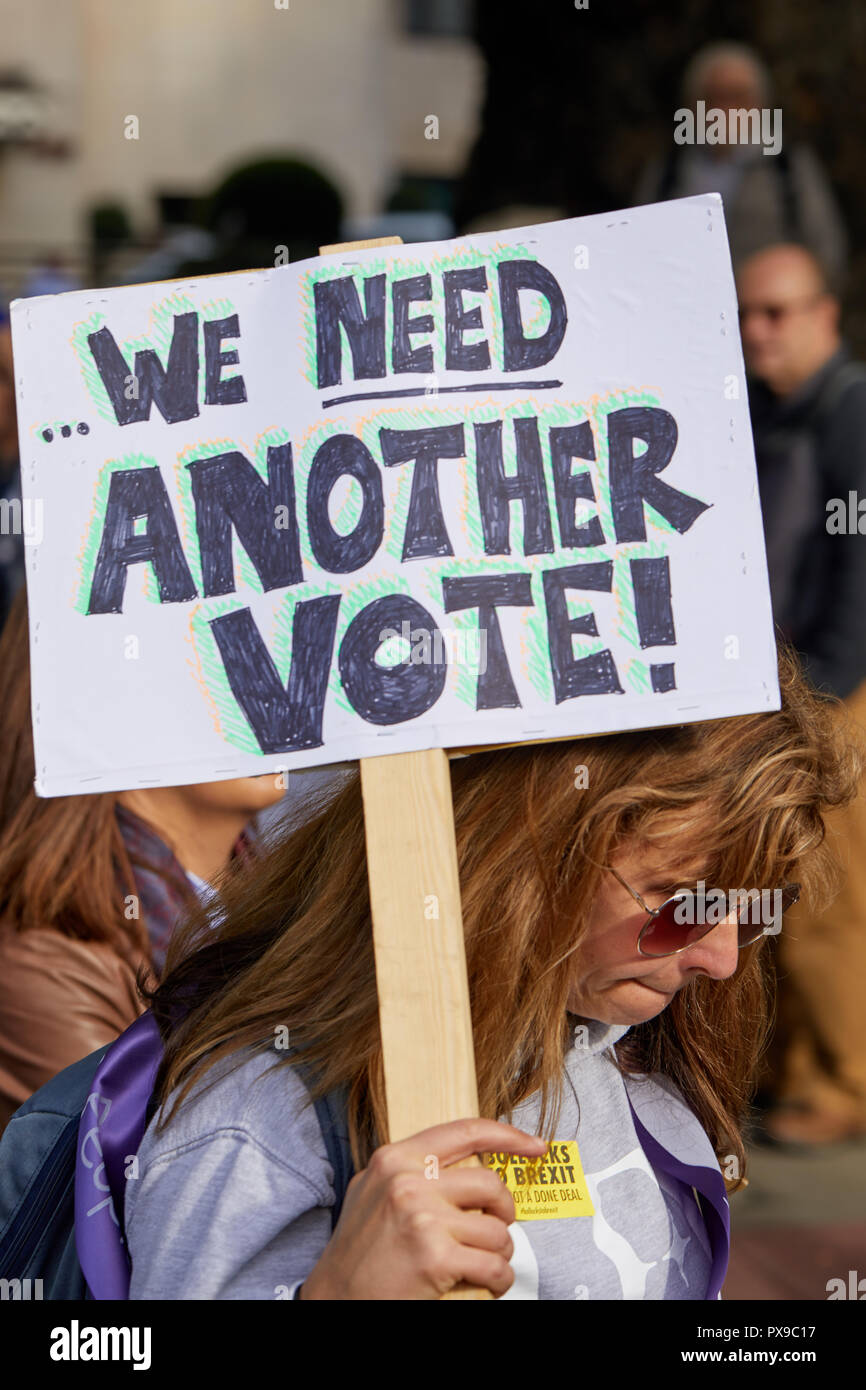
x=600 y=1017
x=91 y=888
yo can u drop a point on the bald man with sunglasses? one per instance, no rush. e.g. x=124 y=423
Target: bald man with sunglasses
x=808 y=404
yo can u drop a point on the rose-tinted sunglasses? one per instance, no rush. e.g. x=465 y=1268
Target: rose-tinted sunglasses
x=662 y=934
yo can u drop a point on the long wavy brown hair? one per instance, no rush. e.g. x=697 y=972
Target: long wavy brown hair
x=63 y=861
x=294 y=946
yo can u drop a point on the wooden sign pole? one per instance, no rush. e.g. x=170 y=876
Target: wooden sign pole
x=424 y=1015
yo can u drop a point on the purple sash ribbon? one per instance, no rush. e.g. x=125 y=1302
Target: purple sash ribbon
x=711 y=1186
x=112 y=1127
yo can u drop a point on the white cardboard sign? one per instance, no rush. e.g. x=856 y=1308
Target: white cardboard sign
x=479 y=491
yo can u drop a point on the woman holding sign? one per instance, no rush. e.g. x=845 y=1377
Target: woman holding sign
x=619 y=1008
x=91 y=888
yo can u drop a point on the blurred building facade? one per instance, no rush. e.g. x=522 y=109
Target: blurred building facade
x=106 y=102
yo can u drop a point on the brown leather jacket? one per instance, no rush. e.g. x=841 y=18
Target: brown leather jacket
x=60 y=998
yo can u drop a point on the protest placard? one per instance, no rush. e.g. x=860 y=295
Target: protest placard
x=452 y=494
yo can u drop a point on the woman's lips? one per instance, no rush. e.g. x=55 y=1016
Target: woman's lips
x=665 y=993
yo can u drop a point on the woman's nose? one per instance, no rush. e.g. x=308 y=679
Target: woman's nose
x=716 y=953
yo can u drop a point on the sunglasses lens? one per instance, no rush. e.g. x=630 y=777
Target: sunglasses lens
x=677 y=924
x=752 y=927
x=688 y=917
x=780 y=899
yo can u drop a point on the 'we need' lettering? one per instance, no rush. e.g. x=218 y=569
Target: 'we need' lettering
x=540 y=479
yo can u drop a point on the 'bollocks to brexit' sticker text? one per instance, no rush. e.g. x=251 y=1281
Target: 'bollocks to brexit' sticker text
x=546 y=1187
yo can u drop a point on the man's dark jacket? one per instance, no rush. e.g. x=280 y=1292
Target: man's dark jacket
x=810 y=448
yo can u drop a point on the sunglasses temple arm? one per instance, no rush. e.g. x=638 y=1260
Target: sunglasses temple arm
x=637 y=897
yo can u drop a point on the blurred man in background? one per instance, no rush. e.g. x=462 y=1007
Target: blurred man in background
x=768 y=198
x=808 y=401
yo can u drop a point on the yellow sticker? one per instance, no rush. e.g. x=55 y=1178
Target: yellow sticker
x=546 y=1187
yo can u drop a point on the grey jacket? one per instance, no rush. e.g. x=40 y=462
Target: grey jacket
x=232 y=1200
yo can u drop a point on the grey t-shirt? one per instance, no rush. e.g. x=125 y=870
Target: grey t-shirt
x=232 y=1200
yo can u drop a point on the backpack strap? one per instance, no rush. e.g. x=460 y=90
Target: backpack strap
x=36 y=1242
x=331 y=1112
x=37 y=1161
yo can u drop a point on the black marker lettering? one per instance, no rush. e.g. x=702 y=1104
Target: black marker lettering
x=228 y=492
x=218 y=391
x=496 y=689
x=173 y=389
x=519 y=352
x=337 y=302
x=135 y=493
x=390 y=694
x=405 y=358
x=589 y=675
x=339 y=455
x=426 y=534
x=633 y=480
x=496 y=489
x=283 y=720
x=460 y=356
